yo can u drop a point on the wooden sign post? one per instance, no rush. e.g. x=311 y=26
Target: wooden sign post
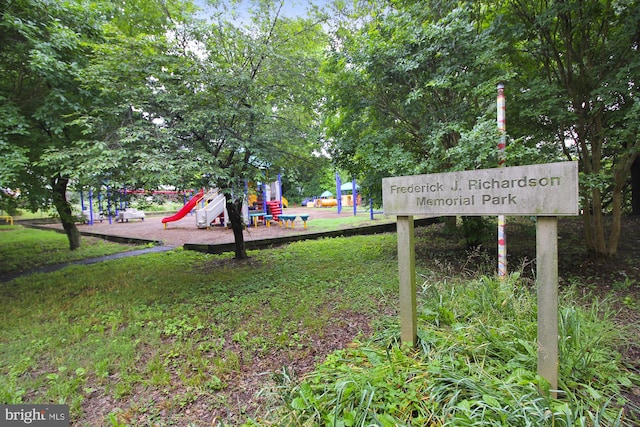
x=545 y=191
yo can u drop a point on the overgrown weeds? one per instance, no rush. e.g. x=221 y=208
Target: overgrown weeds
x=475 y=365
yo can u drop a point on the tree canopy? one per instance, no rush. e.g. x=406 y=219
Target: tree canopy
x=44 y=45
x=577 y=88
x=146 y=94
x=150 y=92
x=413 y=91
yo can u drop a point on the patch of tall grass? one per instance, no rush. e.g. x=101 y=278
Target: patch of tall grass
x=475 y=364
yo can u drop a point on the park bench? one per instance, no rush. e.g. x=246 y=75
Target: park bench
x=86 y=214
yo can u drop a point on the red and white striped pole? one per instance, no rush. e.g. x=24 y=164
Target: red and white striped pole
x=502 y=144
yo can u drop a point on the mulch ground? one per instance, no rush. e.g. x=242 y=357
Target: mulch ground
x=185 y=230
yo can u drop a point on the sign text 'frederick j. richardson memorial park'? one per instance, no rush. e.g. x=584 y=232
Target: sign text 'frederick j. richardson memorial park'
x=545 y=191
x=540 y=190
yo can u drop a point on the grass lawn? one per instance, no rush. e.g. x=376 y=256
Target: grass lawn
x=305 y=334
x=347 y=220
x=23 y=248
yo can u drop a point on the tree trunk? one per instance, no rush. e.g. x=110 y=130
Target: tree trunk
x=586 y=221
x=616 y=222
x=622 y=170
x=63 y=207
x=598 y=224
x=635 y=187
x=234 y=209
x=593 y=218
x=597 y=243
x=450 y=222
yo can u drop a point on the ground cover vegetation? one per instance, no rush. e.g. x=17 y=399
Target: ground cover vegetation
x=308 y=334
x=25 y=249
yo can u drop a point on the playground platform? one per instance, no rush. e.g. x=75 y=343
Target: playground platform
x=219 y=239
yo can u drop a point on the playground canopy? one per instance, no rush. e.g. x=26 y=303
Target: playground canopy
x=326 y=194
x=348 y=186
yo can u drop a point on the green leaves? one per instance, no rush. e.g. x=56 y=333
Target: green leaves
x=44 y=49
x=575 y=94
x=406 y=86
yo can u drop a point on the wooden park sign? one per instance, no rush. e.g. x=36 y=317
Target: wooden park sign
x=545 y=191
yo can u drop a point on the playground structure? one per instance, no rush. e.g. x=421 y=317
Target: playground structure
x=184 y=210
x=121 y=211
x=266 y=206
x=352 y=199
x=266 y=203
x=347 y=195
x=90 y=215
x=348 y=200
x=215 y=207
x=326 y=200
x=113 y=204
x=323 y=203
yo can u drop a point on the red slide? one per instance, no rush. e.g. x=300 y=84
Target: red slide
x=185 y=209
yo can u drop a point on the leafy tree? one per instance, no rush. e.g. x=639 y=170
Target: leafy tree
x=309 y=177
x=635 y=187
x=414 y=92
x=42 y=49
x=577 y=64
x=408 y=85
x=264 y=109
x=213 y=104
x=46 y=46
